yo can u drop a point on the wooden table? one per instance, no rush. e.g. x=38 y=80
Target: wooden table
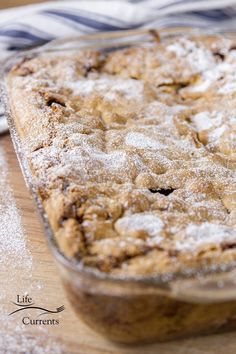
x=45 y=287
x=11 y=3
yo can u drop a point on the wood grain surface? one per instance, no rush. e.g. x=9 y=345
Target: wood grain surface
x=45 y=287
x=12 y=3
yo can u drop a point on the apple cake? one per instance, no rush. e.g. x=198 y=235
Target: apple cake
x=133 y=152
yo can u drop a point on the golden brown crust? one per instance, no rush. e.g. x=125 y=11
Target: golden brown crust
x=134 y=152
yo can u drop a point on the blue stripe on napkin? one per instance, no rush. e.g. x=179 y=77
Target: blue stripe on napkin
x=40 y=23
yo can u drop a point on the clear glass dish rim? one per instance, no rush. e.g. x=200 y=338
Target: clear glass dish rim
x=157 y=281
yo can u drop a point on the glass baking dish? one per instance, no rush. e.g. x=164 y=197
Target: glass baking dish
x=134 y=309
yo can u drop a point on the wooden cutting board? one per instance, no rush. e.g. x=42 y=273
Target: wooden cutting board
x=44 y=286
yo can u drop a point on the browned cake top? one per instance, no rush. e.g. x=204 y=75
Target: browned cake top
x=134 y=152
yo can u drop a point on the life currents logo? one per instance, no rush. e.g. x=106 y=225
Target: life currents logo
x=33 y=314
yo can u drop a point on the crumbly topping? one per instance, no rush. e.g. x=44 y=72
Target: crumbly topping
x=198 y=57
x=133 y=152
x=205 y=234
x=110 y=89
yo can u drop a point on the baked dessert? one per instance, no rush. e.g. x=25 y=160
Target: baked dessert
x=133 y=152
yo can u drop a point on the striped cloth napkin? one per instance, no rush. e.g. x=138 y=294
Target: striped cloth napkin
x=29 y=25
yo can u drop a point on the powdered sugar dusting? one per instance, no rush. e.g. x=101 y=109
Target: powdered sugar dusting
x=146 y=222
x=89 y=163
x=206 y=120
x=108 y=88
x=17 y=269
x=12 y=239
x=17 y=340
x=144 y=157
x=215 y=134
x=197 y=57
x=215 y=127
x=141 y=141
x=205 y=234
x=220 y=78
